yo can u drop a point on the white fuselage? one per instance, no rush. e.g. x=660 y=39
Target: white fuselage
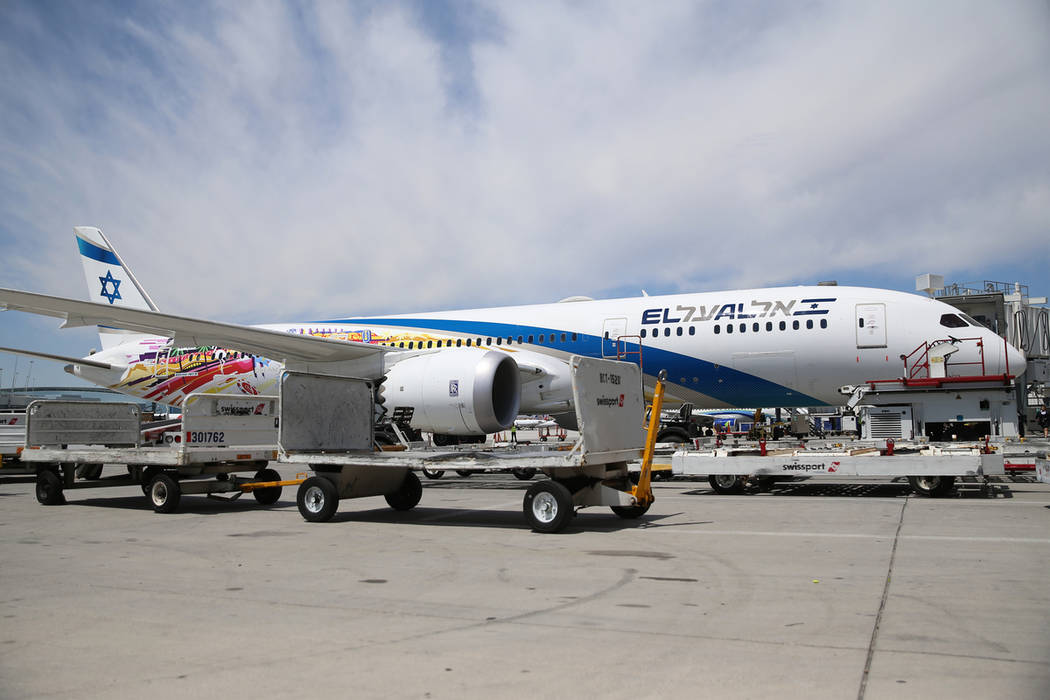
x=783 y=346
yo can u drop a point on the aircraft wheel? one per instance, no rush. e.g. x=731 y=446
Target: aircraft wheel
x=317 y=499
x=631 y=512
x=433 y=473
x=49 y=488
x=164 y=493
x=464 y=472
x=407 y=495
x=269 y=495
x=525 y=473
x=547 y=506
x=932 y=486
x=91 y=472
x=726 y=484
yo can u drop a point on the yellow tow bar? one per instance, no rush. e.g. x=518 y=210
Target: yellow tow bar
x=642 y=491
x=253 y=485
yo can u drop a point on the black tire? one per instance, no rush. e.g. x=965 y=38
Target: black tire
x=464 y=472
x=524 y=473
x=631 y=512
x=932 y=486
x=765 y=483
x=726 y=484
x=271 y=494
x=433 y=473
x=146 y=477
x=164 y=493
x=407 y=495
x=317 y=499
x=49 y=488
x=547 y=506
x=89 y=472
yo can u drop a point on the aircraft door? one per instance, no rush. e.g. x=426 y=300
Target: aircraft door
x=871 y=325
x=612 y=329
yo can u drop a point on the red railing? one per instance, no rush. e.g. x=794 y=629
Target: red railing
x=917 y=366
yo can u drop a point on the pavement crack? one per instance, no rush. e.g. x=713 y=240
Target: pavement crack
x=882 y=604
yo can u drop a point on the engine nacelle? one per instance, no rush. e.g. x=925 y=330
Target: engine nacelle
x=456 y=391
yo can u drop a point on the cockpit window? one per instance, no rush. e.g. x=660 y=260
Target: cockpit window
x=952 y=321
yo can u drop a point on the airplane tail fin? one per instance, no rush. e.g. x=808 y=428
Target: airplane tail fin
x=109 y=280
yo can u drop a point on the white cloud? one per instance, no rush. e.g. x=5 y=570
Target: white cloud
x=278 y=161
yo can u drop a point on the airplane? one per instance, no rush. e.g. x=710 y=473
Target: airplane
x=464 y=374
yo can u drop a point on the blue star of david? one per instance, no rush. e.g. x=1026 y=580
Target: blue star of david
x=115 y=294
x=813 y=306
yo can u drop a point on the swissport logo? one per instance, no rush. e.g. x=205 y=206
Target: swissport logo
x=610 y=401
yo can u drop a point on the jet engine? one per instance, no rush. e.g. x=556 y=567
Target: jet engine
x=456 y=392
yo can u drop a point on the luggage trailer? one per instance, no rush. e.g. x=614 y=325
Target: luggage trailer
x=216 y=437
x=931 y=469
x=327 y=424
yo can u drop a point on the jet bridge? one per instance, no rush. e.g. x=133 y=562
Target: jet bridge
x=327 y=424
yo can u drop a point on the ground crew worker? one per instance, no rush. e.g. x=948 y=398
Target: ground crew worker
x=1043 y=418
x=514 y=433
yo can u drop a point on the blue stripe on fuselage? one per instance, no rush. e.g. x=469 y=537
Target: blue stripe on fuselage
x=726 y=384
x=90 y=250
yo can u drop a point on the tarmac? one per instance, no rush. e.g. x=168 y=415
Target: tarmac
x=818 y=589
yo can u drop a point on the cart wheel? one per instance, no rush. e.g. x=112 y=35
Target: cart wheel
x=932 y=486
x=269 y=495
x=433 y=473
x=726 y=483
x=317 y=499
x=90 y=472
x=631 y=512
x=525 y=473
x=464 y=472
x=164 y=493
x=49 y=488
x=146 y=476
x=407 y=495
x=547 y=506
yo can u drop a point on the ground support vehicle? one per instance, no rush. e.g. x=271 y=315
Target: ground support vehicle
x=217 y=436
x=931 y=469
x=12 y=441
x=327 y=423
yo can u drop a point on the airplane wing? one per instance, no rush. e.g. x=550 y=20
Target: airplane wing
x=191 y=332
x=60 y=358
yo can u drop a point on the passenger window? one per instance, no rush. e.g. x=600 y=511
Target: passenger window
x=823 y=323
x=542 y=336
x=729 y=328
x=667 y=332
x=459 y=342
x=692 y=330
x=743 y=327
x=769 y=325
x=644 y=331
x=783 y=325
x=531 y=339
x=606 y=336
x=794 y=325
x=754 y=327
x=499 y=341
x=952 y=321
x=488 y=341
x=862 y=323
x=574 y=337
x=563 y=337
x=468 y=342
x=678 y=331
x=430 y=343
x=553 y=339
x=809 y=324
x=519 y=340
x=718 y=329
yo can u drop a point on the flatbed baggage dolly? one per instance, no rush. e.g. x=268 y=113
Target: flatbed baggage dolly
x=327 y=424
x=216 y=437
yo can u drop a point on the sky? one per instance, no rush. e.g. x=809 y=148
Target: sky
x=267 y=161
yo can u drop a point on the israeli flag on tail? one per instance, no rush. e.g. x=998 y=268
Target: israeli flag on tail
x=109 y=281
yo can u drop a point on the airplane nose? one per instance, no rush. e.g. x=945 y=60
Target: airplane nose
x=1015 y=361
